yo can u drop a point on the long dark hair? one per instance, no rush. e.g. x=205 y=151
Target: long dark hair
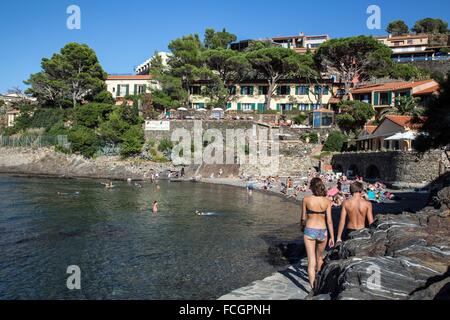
x=318 y=187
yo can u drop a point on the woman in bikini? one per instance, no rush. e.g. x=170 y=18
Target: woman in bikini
x=316 y=217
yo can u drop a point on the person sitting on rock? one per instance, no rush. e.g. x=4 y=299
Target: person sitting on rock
x=357 y=209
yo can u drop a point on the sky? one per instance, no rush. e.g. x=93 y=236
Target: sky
x=126 y=33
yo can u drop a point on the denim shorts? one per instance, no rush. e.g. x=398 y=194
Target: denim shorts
x=316 y=234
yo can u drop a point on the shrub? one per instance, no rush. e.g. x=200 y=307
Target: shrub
x=165 y=145
x=335 y=142
x=104 y=97
x=133 y=141
x=300 y=118
x=92 y=114
x=313 y=138
x=84 y=140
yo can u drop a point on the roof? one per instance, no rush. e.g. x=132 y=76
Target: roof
x=407 y=121
x=402 y=37
x=430 y=90
x=334 y=100
x=390 y=86
x=129 y=77
x=323 y=110
x=370 y=129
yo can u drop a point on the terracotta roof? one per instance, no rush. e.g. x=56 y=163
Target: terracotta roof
x=370 y=129
x=390 y=86
x=427 y=91
x=334 y=100
x=407 y=121
x=323 y=110
x=129 y=77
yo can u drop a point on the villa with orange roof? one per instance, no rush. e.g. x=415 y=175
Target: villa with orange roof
x=393 y=133
x=121 y=86
x=383 y=95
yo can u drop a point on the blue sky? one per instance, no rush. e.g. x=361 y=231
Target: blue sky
x=125 y=33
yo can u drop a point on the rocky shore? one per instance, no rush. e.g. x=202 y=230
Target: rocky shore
x=46 y=162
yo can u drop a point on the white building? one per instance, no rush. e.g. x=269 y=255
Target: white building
x=121 y=86
x=144 y=68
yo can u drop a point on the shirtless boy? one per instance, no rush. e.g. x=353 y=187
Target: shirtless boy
x=358 y=211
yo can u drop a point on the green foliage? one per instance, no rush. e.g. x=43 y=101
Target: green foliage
x=84 y=140
x=165 y=145
x=408 y=72
x=404 y=106
x=397 y=28
x=335 y=142
x=218 y=40
x=430 y=26
x=361 y=56
x=92 y=114
x=355 y=115
x=69 y=77
x=300 y=118
x=313 y=138
x=104 y=97
x=132 y=141
x=437 y=121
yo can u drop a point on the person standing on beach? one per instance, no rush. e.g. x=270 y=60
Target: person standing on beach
x=317 y=223
x=357 y=209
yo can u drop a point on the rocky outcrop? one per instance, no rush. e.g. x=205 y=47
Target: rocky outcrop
x=401 y=257
x=46 y=162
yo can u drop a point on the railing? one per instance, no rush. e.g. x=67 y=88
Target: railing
x=34 y=141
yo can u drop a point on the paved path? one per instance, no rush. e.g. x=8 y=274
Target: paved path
x=290 y=284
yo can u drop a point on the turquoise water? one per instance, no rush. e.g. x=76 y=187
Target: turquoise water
x=126 y=252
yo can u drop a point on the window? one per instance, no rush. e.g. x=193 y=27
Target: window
x=385 y=98
x=321 y=90
x=247 y=106
x=232 y=90
x=263 y=90
x=196 y=90
x=302 y=90
x=199 y=105
x=123 y=90
x=247 y=90
x=341 y=92
x=287 y=107
x=283 y=90
x=141 y=89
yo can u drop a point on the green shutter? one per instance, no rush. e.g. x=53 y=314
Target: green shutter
x=135 y=89
x=128 y=90
x=297 y=90
x=278 y=107
x=278 y=91
x=239 y=107
x=118 y=91
x=229 y=106
x=376 y=98
x=251 y=90
x=307 y=90
x=242 y=91
x=288 y=91
x=326 y=90
x=253 y=106
x=390 y=97
x=261 y=107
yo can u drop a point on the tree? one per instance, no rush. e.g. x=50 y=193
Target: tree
x=404 y=106
x=69 y=77
x=397 y=28
x=352 y=58
x=437 y=123
x=335 y=142
x=274 y=64
x=430 y=26
x=408 y=72
x=355 y=115
x=132 y=141
x=218 y=40
x=228 y=67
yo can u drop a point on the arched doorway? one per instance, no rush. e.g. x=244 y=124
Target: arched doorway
x=337 y=168
x=352 y=171
x=373 y=173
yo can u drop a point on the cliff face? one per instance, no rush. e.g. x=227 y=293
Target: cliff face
x=401 y=257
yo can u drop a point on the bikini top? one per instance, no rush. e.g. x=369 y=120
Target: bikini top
x=308 y=211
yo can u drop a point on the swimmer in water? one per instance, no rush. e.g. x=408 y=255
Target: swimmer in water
x=108 y=185
x=155 y=207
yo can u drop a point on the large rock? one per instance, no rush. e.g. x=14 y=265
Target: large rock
x=401 y=257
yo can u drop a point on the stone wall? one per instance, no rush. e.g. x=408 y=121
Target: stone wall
x=392 y=167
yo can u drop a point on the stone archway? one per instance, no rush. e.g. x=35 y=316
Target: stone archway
x=372 y=172
x=352 y=171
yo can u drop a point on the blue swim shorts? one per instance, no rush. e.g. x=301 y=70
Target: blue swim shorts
x=316 y=234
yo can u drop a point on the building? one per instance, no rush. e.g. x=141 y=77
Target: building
x=121 y=86
x=13 y=98
x=383 y=95
x=290 y=95
x=299 y=43
x=393 y=133
x=416 y=47
x=144 y=68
